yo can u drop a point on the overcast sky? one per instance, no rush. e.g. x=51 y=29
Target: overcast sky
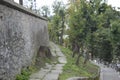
x=114 y=3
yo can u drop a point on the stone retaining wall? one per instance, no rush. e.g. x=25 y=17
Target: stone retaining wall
x=21 y=34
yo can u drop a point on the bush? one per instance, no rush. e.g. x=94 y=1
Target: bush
x=25 y=73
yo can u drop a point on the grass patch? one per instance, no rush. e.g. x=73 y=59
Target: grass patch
x=72 y=70
x=25 y=73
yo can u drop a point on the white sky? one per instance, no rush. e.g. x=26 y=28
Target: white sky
x=114 y=3
x=49 y=3
x=40 y=3
x=44 y=2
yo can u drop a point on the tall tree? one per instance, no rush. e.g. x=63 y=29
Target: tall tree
x=78 y=29
x=45 y=11
x=58 y=21
x=62 y=15
x=88 y=21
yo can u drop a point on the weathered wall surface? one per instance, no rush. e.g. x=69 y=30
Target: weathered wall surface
x=21 y=35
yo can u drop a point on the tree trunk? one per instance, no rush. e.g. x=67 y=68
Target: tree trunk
x=78 y=58
x=75 y=49
x=62 y=32
x=79 y=55
x=86 y=57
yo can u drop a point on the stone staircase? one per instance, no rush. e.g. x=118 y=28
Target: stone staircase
x=51 y=71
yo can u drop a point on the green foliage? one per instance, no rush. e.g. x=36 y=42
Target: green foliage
x=77 y=25
x=25 y=73
x=45 y=11
x=115 y=38
x=95 y=25
x=57 y=23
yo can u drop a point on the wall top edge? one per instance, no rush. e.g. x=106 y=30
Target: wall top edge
x=20 y=8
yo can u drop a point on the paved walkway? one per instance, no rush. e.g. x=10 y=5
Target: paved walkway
x=51 y=71
x=108 y=73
